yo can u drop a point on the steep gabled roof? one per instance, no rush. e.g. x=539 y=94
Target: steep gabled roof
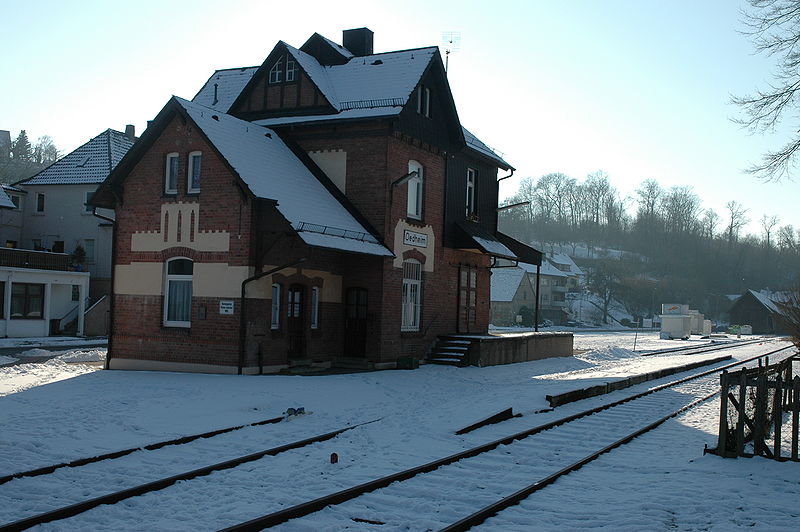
x=269 y=169
x=546 y=268
x=505 y=282
x=223 y=87
x=88 y=164
x=320 y=46
x=475 y=144
x=773 y=301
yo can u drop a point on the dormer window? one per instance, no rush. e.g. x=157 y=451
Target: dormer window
x=284 y=64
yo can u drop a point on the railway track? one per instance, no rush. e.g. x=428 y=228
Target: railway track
x=702 y=348
x=496 y=475
x=539 y=452
x=81 y=506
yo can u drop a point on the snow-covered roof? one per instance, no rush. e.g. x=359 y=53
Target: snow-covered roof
x=505 y=282
x=475 y=143
x=564 y=259
x=88 y=164
x=365 y=82
x=379 y=80
x=272 y=171
x=229 y=83
x=773 y=301
x=350 y=114
x=547 y=268
x=338 y=47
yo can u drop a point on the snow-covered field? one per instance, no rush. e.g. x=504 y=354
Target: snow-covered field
x=57 y=410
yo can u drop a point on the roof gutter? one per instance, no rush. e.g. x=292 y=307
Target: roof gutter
x=506 y=176
x=242 y=315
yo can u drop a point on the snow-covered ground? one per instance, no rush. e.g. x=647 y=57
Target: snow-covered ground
x=56 y=411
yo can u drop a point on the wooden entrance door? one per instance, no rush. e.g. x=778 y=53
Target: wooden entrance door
x=295 y=324
x=467 y=298
x=355 y=334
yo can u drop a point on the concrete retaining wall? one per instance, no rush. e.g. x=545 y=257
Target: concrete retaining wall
x=496 y=350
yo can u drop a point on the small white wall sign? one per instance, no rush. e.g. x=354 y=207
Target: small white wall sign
x=412 y=238
x=226 y=307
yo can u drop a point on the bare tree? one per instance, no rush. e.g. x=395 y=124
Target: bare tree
x=736 y=219
x=709 y=223
x=786 y=238
x=45 y=151
x=768 y=223
x=774 y=27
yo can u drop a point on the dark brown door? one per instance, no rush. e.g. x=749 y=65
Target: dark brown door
x=467 y=298
x=355 y=339
x=295 y=324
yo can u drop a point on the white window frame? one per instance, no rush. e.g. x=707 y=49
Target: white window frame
x=291 y=68
x=315 y=307
x=43 y=204
x=169 y=277
x=426 y=108
x=471 y=174
x=168 y=166
x=275 y=307
x=190 y=170
x=16 y=200
x=415 y=191
x=411 y=307
x=276 y=72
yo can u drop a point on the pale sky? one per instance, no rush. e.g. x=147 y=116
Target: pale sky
x=634 y=88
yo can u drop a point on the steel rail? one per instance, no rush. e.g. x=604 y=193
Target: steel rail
x=111 y=498
x=45 y=470
x=711 y=346
x=515 y=498
x=315 y=505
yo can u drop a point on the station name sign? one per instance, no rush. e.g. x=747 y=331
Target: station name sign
x=412 y=238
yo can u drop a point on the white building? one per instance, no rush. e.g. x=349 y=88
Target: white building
x=53 y=207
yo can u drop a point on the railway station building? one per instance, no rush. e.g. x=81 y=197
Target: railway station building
x=326 y=207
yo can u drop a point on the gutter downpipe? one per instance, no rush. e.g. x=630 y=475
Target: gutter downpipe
x=113 y=222
x=242 y=315
x=536 y=307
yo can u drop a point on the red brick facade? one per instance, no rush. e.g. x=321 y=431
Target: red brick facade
x=226 y=238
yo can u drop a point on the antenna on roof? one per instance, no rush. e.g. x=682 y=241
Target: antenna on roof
x=451 y=40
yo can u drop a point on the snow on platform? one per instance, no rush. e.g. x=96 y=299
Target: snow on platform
x=55 y=411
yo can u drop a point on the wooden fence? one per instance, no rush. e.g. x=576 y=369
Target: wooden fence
x=759 y=409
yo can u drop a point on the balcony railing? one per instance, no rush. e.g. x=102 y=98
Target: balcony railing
x=39 y=260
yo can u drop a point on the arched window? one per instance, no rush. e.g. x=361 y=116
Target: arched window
x=178 y=293
x=412 y=295
x=415 y=190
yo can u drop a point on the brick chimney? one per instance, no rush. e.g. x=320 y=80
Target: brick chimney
x=130 y=132
x=358 y=41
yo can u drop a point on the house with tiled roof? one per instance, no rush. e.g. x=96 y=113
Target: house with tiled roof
x=324 y=208
x=55 y=212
